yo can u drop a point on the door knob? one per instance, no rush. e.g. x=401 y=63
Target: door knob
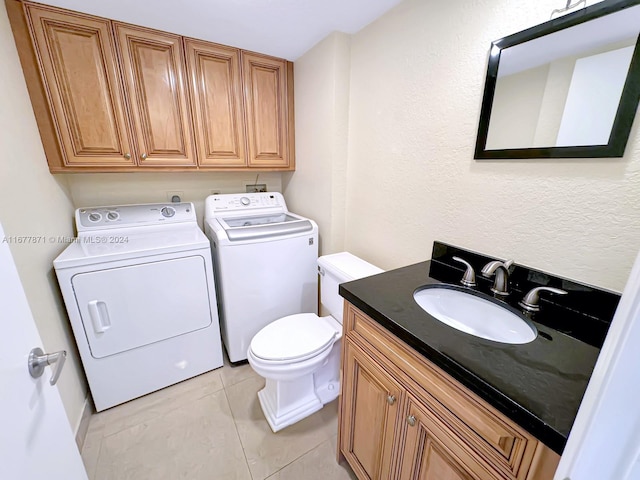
x=38 y=360
x=411 y=420
x=391 y=399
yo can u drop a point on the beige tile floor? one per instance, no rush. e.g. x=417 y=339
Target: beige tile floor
x=208 y=428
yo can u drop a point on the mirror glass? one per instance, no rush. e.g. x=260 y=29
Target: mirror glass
x=567 y=88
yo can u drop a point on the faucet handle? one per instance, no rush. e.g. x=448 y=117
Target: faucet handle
x=469 y=278
x=530 y=300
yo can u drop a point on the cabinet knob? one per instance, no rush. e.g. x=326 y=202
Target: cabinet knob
x=411 y=420
x=143 y=156
x=391 y=399
x=127 y=156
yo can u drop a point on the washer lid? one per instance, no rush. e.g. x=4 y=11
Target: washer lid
x=296 y=337
x=255 y=227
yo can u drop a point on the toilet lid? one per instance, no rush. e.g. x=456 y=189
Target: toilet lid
x=295 y=337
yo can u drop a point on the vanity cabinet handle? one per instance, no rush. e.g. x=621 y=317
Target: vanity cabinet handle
x=127 y=156
x=143 y=156
x=391 y=399
x=411 y=420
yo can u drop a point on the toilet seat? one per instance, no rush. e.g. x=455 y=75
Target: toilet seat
x=293 y=339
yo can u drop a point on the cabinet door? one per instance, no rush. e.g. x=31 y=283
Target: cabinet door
x=267 y=103
x=215 y=85
x=77 y=58
x=432 y=452
x=153 y=69
x=369 y=411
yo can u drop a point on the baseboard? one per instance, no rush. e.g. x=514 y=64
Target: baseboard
x=83 y=424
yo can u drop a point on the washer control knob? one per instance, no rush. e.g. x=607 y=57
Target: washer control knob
x=112 y=215
x=245 y=201
x=168 y=212
x=95 y=217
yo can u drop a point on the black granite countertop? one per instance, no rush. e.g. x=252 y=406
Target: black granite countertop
x=539 y=385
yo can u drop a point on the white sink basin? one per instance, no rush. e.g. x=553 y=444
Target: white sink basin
x=475 y=315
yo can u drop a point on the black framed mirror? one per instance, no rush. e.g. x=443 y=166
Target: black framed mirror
x=568 y=88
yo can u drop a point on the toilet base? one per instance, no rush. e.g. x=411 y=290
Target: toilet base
x=283 y=404
x=286 y=400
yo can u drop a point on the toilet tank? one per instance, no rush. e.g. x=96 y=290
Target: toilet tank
x=336 y=269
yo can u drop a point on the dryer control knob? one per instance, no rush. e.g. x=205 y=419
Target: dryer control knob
x=95 y=217
x=245 y=201
x=168 y=212
x=111 y=215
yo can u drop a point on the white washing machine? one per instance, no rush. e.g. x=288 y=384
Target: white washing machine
x=264 y=264
x=138 y=287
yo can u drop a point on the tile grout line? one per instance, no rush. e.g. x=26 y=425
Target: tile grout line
x=235 y=425
x=296 y=459
x=127 y=427
x=94 y=473
x=243 y=448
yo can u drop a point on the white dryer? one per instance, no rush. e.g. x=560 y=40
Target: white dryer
x=264 y=264
x=138 y=286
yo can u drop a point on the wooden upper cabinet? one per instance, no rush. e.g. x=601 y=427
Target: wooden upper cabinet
x=110 y=96
x=215 y=85
x=268 y=98
x=153 y=68
x=80 y=74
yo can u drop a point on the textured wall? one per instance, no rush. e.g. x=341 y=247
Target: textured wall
x=417 y=76
x=317 y=188
x=95 y=189
x=35 y=203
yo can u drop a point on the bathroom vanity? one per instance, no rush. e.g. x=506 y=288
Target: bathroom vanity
x=422 y=400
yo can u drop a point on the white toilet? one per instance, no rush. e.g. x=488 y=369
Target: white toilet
x=299 y=355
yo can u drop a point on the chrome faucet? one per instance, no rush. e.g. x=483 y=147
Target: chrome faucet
x=530 y=300
x=469 y=278
x=501 y=271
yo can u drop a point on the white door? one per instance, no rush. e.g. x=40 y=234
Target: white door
x=604 y=443
x=36 y=441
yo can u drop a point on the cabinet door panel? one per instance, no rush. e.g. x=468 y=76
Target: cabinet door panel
x=216 y=97
x=432 y=452
x=370 y=402
x=265 y=85
x=153 y=68
x=78 y=61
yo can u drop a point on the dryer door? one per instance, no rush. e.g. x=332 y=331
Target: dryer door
x=129 y=307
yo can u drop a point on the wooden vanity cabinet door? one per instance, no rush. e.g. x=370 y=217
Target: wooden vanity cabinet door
x=153 y=67
x=78 y=63
x=268 y=103
x=370 y=404
x=215 y=85
x=432 y=452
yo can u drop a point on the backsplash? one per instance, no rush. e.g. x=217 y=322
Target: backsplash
x=585 y=313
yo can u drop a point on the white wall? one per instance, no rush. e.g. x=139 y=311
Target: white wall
x=35 y=203
x=577 y=218
x=416 y=89
x=96 y=189
x=417 y=78
x=317 y=188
